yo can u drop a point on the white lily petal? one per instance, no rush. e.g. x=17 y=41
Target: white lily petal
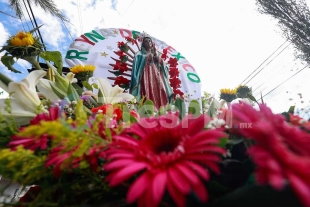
x=21 y=115
x=123 y=97
x=33 y=78
x=217 y=104
x=70 y=77
x=51 y=66
x=105 y=87
x=24 y=96
x=44 y=87
x=222 y=103
x=113 y=93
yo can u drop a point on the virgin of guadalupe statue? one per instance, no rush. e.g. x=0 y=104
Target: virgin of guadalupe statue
x=150 y=75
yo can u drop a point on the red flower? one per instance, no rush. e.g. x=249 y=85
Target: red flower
x=134 y=114
x=298 y=121
x=129 y=39
x=178 y=92
x=107 y=108
x=173 y=62
x=120 y=80
x=53 y=114
x=61 y=158
x=281 y=151
x=38 y=142
x=94 y=155
x=175 y=82
x=120 y=53
x=173 y=72
x=120 y=44
x=163 y=153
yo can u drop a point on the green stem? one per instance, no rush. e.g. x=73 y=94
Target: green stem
x=33 y=61
x=4 y=82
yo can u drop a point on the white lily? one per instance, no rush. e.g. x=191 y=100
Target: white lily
x=112 y=94
x=70 y=77
x=25 y=102
x=44 y=87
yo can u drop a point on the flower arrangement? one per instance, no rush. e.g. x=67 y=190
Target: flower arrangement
x=71 y=146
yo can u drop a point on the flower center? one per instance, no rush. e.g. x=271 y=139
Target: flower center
x=163 y=141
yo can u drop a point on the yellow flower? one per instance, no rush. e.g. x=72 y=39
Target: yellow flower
x=22 y=39
x=228 y=91
x=80 y=68
x=228 y=94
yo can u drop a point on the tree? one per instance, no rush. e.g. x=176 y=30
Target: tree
x=46 y=5
x=293 y=18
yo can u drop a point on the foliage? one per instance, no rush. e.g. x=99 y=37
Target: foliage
x=293 y=18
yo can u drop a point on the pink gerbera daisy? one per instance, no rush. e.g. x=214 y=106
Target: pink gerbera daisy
x=281 y=151
x=164 y=154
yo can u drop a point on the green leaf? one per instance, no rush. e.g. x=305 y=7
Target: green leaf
x=261 y=97
x=180 y=105
x=211 y=110
x=4 y=82
x=58 y=92
x=291 y=109
x=54 y=56
x=223 y=142
x=87 y=85
x=252 y=98
x=147 y=109
x=100 y=97
x=161 y=111
x=8 y=61
x=35 y=29
x=194 y=108
x=78 y=89
x=72 y=94
x=95 y=85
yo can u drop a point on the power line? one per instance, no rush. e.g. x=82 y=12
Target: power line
x=30 y=18
x=271 y=75
x=128 y=8
x=268 y=63
x=263 y=62
x=36 y=25
x=8 y=14
x=80 y=16
x=283 y=82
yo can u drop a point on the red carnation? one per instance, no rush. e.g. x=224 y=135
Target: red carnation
x=107 y=109
x=173 y=62
x=174 y=72
x=175 y=82
x=164 y=154
x=120 y=80
x=281 y=151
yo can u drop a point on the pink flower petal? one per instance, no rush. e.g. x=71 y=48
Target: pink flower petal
x=176 y=177
x=127 y=172
x=201 y=192
x=115 y=164
x=138 y=187
x=125 y=139
x=158 y=187
x=301 y=188
x=202 y=172
x=208 y=148
x=177 y=196
x=188 y=173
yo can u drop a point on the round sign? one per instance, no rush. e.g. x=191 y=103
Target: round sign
x=112 y=51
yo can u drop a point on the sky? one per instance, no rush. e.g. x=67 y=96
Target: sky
x=224 y=40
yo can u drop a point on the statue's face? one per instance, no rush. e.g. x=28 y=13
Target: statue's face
x=147 y=42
